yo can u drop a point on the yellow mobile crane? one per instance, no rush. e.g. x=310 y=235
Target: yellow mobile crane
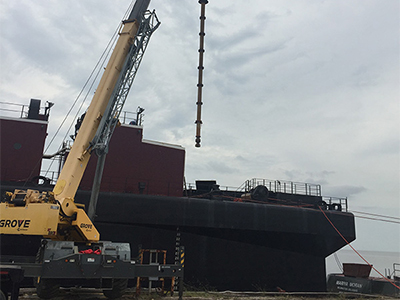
x=63 y=223
x=54 y=214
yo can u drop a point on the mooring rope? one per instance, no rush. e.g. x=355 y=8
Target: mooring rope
x=334 y=227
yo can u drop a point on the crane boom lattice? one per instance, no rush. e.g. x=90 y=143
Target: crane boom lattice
x=148 y=24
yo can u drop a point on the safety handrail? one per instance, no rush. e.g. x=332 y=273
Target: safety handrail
x=282 y=186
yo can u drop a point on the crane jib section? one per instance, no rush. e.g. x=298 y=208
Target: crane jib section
x=148 y=25
x=55 y=215
x=107 y=103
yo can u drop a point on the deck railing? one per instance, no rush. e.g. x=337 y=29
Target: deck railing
x=132 y=118
x=332 y=201
x=282 y=186
x=287 y=187
x=21 y=111
x=14 y=110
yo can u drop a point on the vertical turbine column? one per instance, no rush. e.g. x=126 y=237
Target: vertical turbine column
x=201 y=68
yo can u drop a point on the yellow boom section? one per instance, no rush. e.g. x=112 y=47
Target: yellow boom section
x=54 y=214
x=78 y=158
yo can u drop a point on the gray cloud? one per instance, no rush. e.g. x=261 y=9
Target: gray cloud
x=346 y=191
x=293 y=90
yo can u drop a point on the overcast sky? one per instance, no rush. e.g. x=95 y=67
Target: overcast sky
x=296 y=90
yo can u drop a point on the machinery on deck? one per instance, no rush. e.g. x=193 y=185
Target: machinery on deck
x=72 y=253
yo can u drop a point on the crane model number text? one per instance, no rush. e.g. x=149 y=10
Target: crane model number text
x=20 y=224
x=87 y=226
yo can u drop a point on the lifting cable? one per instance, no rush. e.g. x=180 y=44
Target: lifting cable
x=334 y=227
x=338 y=262
x=370 y=216
x=99 y=64
x=364 y=213
x=376 y=219
x=102 y=58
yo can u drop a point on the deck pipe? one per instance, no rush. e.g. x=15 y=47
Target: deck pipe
x=199 y=103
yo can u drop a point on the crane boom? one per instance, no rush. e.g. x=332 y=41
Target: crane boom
x=104 y=110
x=149 y=23
x=71 y=253
x=54 y=214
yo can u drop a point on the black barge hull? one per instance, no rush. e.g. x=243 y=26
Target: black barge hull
x=229 y=245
